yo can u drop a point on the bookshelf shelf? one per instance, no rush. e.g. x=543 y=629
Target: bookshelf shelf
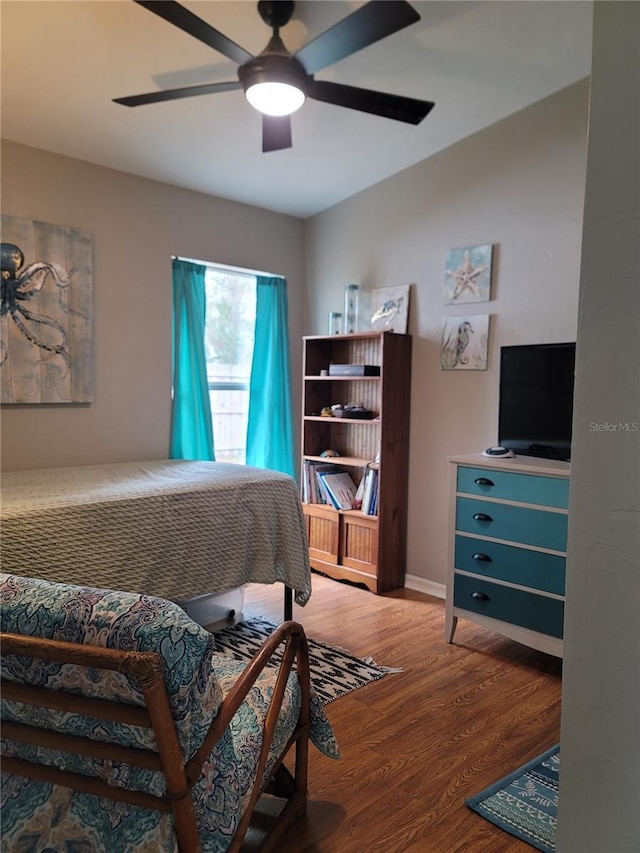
x=342 y=461
x=373 y=421
x=369 y=549
x=344 y=378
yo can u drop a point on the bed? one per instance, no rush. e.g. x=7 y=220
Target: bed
x=171 y=528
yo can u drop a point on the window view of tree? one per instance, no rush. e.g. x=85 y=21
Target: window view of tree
x=230 y=323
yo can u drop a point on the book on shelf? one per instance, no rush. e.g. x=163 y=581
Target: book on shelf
x=313 y=490
x=357 y=501
x=323 y=493
x=369 y=498
x=341 y=488
x=306 y=489
x=373 y=509
x=308 y=484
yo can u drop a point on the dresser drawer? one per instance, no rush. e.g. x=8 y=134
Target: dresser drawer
x=512 y=486
x=509 y=563
x=526 y=609
x=513 y=523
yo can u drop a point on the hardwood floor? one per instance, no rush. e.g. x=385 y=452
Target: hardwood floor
x=415 y=744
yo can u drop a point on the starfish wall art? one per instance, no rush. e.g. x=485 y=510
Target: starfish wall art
x=467 y=275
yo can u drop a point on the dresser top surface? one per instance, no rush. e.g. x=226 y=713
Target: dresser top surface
x=519 y=464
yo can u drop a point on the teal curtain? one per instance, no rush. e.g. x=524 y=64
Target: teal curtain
x=270 y=428
x=191 y=427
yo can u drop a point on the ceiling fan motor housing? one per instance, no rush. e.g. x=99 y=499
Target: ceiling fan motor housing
x=274 y=68
x=276 y=13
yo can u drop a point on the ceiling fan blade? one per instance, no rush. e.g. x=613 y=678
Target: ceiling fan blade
x=396 y=107
x=196 y=27
x=276 y=132
x=368 y=24
x=175 y=94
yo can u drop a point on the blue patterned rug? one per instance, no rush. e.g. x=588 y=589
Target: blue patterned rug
x=334 y=672
x=525 y=803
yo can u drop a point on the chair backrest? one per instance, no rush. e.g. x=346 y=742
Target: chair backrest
x=96 y=679
x=24 y=732
x=112 y=694
x=115 y=620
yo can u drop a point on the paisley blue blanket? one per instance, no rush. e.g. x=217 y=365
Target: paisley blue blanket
x=38 y=815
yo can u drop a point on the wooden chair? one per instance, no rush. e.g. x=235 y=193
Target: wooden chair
x=147 y=668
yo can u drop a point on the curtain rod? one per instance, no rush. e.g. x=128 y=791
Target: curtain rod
x=229 y=267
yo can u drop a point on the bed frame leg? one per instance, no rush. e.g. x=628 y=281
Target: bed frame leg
x=288 y=603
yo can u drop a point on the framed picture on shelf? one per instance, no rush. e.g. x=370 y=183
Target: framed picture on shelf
x=390 y=309
x=467 y=275
x=465 y=343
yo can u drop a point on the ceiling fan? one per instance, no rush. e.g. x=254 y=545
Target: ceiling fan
x=277 y=83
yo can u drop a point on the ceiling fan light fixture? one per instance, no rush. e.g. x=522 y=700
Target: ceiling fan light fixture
x=274 y=98
x=274 y=84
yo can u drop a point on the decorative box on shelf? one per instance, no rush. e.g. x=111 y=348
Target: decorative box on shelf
x=365 y=545
x=354 y=369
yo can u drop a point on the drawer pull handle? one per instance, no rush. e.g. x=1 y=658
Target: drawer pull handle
x=480 y=596
x=482 y=516
x=483 y=481
x=482 y=558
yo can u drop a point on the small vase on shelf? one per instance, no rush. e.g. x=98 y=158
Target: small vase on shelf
x=335 y=322
x=351 y=293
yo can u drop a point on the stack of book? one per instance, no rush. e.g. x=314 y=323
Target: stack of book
x=333 y=486
x=327 y=484
x=369 y=498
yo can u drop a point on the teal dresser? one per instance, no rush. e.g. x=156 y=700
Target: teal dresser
x=507 y=548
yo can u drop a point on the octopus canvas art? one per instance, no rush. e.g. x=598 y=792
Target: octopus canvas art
x=467 y=275
x=46 y=353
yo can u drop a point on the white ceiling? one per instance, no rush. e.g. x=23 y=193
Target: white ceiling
x=64 y=60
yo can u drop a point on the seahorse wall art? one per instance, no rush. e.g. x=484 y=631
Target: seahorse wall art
x=46 y=346
x=465 y=342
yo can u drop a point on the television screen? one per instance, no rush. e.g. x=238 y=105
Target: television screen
x=536 y=399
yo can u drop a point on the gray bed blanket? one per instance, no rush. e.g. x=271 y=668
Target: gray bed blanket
x=169 y=528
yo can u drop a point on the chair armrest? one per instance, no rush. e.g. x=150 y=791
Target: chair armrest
x=291 y=633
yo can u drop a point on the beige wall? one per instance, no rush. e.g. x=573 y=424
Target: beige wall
x=600 y=778
x=137 y=225
x=519 y=185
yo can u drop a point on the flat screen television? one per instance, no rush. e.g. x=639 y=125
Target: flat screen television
x=536 y=399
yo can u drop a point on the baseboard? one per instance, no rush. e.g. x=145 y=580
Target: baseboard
x=418 y=584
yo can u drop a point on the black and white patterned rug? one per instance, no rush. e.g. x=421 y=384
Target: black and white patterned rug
x=334 y=672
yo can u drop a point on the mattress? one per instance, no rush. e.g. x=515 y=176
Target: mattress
x=170 y=528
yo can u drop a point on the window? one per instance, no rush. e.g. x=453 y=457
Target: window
x=230 y=339
x=229 y=336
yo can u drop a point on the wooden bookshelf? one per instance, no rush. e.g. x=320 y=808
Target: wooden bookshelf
x=351 y=545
